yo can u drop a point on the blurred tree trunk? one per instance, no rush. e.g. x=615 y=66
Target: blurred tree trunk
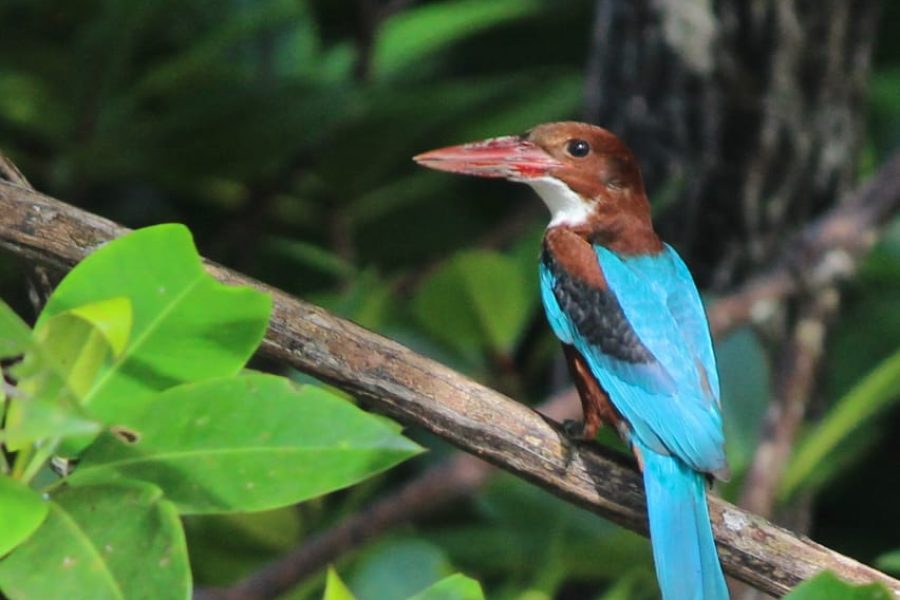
x=746 y=115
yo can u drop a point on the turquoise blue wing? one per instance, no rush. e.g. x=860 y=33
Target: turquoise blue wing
x=662 y=397
x=687 y=308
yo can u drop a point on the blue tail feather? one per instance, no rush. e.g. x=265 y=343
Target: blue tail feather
x=684 y=551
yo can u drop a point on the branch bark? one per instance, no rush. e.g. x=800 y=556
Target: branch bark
x=847 y=232
x=421 y=392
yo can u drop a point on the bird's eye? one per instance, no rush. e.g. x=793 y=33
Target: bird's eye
x=578 y=148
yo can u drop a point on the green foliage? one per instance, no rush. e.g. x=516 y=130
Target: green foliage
x=283 y=139
x=293 y=445
x=827 y=586
x=140 y=342
x=112 y=540
x=186 y=326
x=399 y=568
x=22 y=510
x=454 y=587
x=540 y=540
x=461 y=304
x=745 y=378
x=870 y=397
x=16 y=336
x=335 y=588
x=889 y=562
x=415 y=34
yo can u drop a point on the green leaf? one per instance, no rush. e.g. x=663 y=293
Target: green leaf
x=626 y=587
x=827 y=586
x=398 y=569
x=35 y=419
x=179 y=69
x=335 y=588
x=410 y=35
x=478 y=298
x=246 y=443
x=745 y=376
x=876 y=392
x=109 y=541
x=504 y=542
x=227 y=547
x=186 y=325
x=15 y=335
x=455 y=587
x=21 y=511
x=111 y=318
x=889 y=562
x=77 y=342
x=64 y=356
x=313 y=256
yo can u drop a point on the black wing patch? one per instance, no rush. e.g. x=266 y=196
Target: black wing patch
x=597 y=315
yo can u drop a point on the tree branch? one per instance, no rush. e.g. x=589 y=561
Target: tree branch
x=825 y=252
x=421 y=392
x=794 y=386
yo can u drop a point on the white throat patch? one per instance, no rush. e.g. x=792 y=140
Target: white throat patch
x=566 y=207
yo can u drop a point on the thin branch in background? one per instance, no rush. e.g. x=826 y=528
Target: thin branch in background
x=457 y=478
x=825 y=252
x=794 y=387
x=423 y=393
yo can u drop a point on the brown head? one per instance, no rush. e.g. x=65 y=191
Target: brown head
x=585 y=175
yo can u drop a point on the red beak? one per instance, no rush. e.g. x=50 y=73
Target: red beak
x=509 y=157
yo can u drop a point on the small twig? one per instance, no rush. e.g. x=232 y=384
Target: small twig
x=457 y=478
x=40 y=283
x=794 y=386
x=421 y=392
x=11 y=173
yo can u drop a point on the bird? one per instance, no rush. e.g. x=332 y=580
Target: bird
x=632 y=325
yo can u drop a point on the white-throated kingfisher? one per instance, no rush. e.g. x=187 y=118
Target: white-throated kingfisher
x=632 y=325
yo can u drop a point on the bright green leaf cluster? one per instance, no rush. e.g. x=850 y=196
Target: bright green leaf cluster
x=131 y=386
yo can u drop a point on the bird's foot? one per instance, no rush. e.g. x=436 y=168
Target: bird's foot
x=573 y=428
x=579 y=430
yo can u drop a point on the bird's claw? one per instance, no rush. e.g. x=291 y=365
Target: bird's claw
x=573 y=429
